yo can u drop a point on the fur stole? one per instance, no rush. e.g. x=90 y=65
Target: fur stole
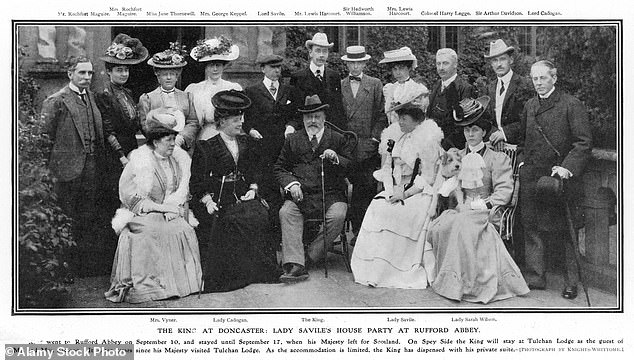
x=142 y=166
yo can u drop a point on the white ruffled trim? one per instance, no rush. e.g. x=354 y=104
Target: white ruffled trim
x=121 y=219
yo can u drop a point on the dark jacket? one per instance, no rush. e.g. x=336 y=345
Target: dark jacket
x=564 y=121
x=64 y=115
x=271 y=116
x=519 y=90
x=119 y=122
x=442 y=112
x=211 y=161
x=298 y=162
x=329 y=91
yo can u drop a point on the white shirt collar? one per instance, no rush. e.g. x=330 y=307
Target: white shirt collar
x=314 y=68
x=476 y=148
x=320 y=134
x=267 y=82
x=76 y=89
x=548 y=94
x=446 y=83
x=506 y=79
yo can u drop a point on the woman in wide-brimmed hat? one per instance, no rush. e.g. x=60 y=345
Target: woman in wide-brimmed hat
x=168 y=66
x=157 y=255
x=401 y=63
x=225 y=198
x=120 y=123
x=216 y=54
x=472 y=263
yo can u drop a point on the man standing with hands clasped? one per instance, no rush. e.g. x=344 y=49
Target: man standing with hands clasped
x=508 y=93
x=554 y=133
x=298 y=171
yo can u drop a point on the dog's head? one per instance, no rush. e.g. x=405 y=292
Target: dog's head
x=451 y=163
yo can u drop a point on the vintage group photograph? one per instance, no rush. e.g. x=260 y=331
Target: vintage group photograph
x=411 y=166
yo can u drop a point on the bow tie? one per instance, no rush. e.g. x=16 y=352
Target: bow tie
x=355 y=78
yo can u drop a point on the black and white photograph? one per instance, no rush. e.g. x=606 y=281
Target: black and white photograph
x=426 y=181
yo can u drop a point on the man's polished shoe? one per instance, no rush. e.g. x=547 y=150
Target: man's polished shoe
x=295 y=274
x=570 y=292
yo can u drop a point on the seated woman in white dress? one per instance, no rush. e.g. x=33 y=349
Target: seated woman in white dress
x=216 y=54
x=472 y=263
x=389 y=247
x=157 y=256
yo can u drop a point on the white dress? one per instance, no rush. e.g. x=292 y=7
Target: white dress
x=202 y=93
x=390 y=245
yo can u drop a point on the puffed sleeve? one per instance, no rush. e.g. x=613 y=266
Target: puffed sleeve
x=502 y=179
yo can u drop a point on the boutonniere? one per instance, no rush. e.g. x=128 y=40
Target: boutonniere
x=288 y=102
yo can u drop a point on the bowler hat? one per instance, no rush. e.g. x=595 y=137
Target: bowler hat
x=497 y=48
x=319 y=39
x=125 y=50
x=272 y=60
x=550 y=189
x=230 y=102
x=355 y=53
x=312 y=104
x=398 y=55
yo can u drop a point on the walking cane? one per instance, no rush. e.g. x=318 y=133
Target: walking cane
x=573 y=239
x=214 y=221
x=323 y=213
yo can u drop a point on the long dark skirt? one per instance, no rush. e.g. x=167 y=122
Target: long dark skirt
x=238 y=252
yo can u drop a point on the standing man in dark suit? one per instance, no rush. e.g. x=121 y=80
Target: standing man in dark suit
x=74 y=125
x=319 y=80
x=563 y=120
x=445 y=96
x=508 y=94
x=272 y=115
x=363 y=102
x=298 y=171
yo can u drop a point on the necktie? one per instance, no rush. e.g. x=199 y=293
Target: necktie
x=83 y=97
x=272 y=89
x=318 y=75
x=501 y=87
x=314 y=142
x=355 y=78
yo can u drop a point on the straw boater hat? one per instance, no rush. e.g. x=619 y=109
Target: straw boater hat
x=469 y=111
x=312 y=104
x=355 y=53
x=272 y=60
x=164 y=119
x=319 y=39
x=125 y=50
x=172 y=58
x=218 y=48
x=497 y=48
x=398 y=55
x=230 y=102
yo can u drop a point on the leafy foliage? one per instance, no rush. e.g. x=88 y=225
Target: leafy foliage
x=44 y=231
x=586 y=68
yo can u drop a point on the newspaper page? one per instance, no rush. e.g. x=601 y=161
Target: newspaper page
x=51 y=309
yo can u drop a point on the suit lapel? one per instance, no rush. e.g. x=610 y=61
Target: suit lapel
x=510 y=90
x=548 y=104
x=73 y=104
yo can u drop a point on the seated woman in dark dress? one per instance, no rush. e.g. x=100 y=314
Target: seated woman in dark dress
x=225 y=200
